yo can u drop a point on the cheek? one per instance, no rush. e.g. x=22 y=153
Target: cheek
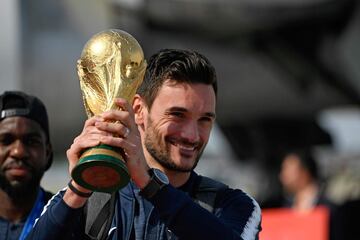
x=170 y=128
x=40 y=158
x=290 y=176
x=204 y=132
x=2 y=155
x=285 y=176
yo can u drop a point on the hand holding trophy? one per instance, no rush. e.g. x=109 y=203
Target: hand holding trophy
x=112 y=65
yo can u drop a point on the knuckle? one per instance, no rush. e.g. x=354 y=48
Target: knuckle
x=126 y=114
x=88 y=121
x=118 y=127
x=68 y=152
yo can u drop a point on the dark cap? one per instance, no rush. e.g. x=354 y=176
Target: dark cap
x=16 y=103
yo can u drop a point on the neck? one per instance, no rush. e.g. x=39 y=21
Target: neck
x=14 y=210
x=305 y=198
x=176 y=178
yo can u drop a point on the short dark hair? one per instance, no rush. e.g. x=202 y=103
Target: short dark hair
x=182 y=66
x=307 y=161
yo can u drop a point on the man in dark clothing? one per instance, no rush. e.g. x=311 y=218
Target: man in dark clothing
x=163 y=135
x=25 y=154
x=300 y=179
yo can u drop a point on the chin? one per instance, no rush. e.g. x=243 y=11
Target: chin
x=186 y=164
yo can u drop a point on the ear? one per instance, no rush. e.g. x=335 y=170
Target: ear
x=139 y=108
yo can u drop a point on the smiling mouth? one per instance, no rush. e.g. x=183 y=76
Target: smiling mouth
x=185 y=148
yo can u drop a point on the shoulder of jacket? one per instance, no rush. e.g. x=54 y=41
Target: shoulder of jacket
x=207 y=184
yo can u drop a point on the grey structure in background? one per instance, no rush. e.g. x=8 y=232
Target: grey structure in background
x=10 y=69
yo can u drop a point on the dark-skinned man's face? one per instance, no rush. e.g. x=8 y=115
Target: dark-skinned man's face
x=24 y=154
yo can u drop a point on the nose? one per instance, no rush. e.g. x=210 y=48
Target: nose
x=18 y=150
x=190 y=132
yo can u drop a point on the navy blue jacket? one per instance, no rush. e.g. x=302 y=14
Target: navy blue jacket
x=170 y=214
x=12 y=231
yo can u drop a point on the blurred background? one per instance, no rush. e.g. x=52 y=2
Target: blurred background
x=288 y=70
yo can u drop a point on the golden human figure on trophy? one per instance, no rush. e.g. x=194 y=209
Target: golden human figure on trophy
x=111 y=65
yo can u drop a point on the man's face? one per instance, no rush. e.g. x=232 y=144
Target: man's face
x=24 y=155
x=178 y=125
x=291 y=174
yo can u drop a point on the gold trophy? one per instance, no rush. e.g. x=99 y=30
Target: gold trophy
x=111 y=65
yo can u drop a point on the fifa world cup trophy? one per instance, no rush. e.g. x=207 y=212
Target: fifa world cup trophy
x=111 y=65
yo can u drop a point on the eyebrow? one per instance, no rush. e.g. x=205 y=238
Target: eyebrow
x=181 y=109
x=28 y=134
x=34 y=134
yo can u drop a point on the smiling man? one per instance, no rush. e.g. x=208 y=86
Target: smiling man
x=178 y=126
x=163 y=134
x=25 y=154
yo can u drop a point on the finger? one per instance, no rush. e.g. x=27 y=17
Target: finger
x=91 y=121
x=122 y=116
x=79 y=146
x=129 y=147
x=115 y=128
x=95 y=130
x=86 y=142
x=90 y=128
x=89 y=140
x=123 y=104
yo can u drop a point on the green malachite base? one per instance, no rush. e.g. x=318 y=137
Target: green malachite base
x=101 y=169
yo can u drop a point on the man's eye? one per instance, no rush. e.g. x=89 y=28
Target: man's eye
x=33 y=141
x=177 y=114
x=206 y=119
x=6 y=140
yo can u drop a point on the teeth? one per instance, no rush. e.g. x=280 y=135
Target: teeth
x=185 y=147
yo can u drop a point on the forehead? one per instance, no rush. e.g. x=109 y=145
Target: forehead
x=292 y=160
x=197 y=96
x=20 y=125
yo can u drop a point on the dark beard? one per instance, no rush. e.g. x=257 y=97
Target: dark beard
x=164 y=160
x=20 y=191
x=161 y=152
